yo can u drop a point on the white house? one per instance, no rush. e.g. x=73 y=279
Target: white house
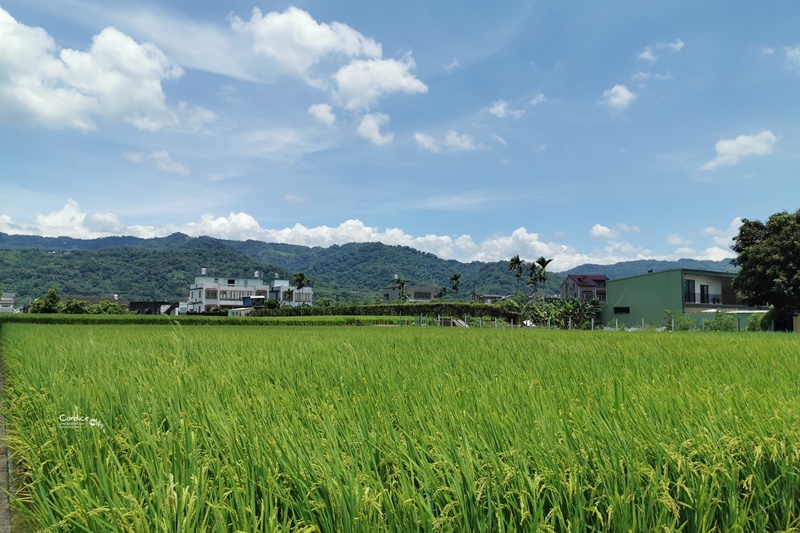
x=287 y=294
x=7 y=302
x=210 y=291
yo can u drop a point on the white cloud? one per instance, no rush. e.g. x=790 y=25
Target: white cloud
x=499 y=108
x=676 y=45
x=767 y=50
x=451 y=142
x=730 y=151
x=793 y=58
x=649 y=52
x=370 y=129
x=601 y=232
x=164 y=162
x=362 y=82
x=160 y=160
x=116 y=79
x=618 y=98
x=538 y=99
x=322 y=113
x=648 y=55
x=604 y=233
x=426 y=142
x=724 y=237
x=297 y=42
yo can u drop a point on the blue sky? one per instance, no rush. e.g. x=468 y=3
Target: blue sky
x=581 y=131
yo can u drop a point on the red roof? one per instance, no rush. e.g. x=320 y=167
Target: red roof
x=587 y=280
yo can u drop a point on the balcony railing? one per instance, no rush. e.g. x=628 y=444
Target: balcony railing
x=705 y=298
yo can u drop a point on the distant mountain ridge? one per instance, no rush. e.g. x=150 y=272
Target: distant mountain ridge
x=162 y=268
x=642 y=266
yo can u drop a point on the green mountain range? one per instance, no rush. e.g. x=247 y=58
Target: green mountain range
x=163 y=268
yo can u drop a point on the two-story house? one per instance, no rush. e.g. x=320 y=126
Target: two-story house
x=210 y=291
x=645 y=297
x=585 y=287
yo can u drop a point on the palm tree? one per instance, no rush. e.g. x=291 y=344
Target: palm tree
x=300 y=280
x=516 y=264
x=537 y=272
x=455 y=278
x=288 y=295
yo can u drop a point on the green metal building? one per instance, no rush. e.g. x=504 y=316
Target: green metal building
x=643 y=299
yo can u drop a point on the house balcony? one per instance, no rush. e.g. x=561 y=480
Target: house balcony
x=704 y=298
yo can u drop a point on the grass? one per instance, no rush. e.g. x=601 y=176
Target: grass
x=402 y=429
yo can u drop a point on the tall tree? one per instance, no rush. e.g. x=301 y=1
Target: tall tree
x=516 y=265
x=455 y=279
x=768 y=257
x=49 y=303
x=300 y=280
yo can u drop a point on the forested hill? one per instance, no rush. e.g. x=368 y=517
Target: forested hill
x=163 y=268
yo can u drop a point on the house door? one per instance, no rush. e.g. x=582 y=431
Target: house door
x=704 y=294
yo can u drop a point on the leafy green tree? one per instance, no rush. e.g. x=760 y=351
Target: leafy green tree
x=722 y=322
x=325 y=302
x=768 y=257
x=49 y=303
x=76 y=307
x=288 y=294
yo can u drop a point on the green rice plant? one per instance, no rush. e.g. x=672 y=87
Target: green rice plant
x=400 y=429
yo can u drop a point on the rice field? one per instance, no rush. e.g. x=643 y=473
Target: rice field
x=186 y=429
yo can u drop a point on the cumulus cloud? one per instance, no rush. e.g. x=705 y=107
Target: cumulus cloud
x=370 y=129
x=618 y=98
x=362 y=82
x=73 y=222
x=322 y=113
x=160 y=160
x=116 y=79
x=297 y=42
x=451 y=142
x=600 y=232
x=731 y=151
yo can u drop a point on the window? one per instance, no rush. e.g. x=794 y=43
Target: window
x=211 y=294
x=231 y=282
x=622 y=310
x=688 y=291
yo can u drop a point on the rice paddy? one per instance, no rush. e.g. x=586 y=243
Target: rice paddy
x=210 y=428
